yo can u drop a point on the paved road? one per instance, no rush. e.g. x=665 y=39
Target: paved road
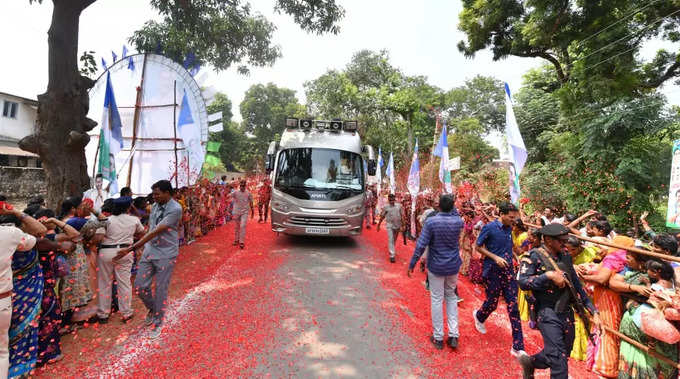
x=335 y=325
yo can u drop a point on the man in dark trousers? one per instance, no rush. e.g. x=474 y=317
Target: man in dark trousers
x=440 y=235
x=554 y=301
x=495 y=244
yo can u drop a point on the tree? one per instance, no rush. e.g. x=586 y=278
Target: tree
x=221 y=33
x=590 y=48
x=264 y=110
x=481 y=98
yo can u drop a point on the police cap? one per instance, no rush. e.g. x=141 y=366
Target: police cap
x=554 y=230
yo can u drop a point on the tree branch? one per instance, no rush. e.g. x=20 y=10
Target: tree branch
x=543 y=54
x=671 y=71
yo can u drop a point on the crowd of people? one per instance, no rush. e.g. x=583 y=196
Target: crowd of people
x=62 y=268
x=596 y=293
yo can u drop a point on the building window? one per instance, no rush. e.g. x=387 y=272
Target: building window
x=10 y=109
x=4 y=160
x=22 y=162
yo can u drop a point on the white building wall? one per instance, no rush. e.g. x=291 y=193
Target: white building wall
x=24 y=123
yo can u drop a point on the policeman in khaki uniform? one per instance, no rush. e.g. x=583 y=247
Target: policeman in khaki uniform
x=553 y=301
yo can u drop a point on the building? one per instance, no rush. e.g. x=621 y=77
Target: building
x=17 y=120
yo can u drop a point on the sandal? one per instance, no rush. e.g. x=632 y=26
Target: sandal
x=242 y=246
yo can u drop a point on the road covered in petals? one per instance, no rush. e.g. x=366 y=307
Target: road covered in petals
x=295 y=307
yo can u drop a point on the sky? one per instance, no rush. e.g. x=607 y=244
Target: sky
x=421 y=40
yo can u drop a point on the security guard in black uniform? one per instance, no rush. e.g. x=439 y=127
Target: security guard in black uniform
x=553 y=301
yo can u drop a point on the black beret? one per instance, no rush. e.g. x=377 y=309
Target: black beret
x=554 y=230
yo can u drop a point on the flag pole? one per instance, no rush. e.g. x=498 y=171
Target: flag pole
x=135 y=120
x=174 y=129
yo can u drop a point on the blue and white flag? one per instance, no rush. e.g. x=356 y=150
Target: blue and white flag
x=516 y=146
x=124 y=51
x=381 y=163
x=114 y=56
x=413 y=182
x=104 y=63
x=111 y=138
x=131 y=64
x=190 y=133
x=390 y=173
x=442 y=151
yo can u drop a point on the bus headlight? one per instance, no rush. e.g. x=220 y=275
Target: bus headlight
x=354 y=210
x=281 y=206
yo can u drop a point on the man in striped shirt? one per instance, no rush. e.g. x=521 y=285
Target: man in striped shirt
x=441 y=234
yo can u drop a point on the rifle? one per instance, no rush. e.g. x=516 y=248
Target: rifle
x=578 y=303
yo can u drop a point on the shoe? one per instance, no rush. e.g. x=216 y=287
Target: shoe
x=478 y=325
x=393 y=259
x=368 y=226
x=422 y=266
x=242 y=246
x=127 y=319
x=439 y=345
x=452 y=342
x=235 y=243
x=148 y=321
x=55 y=359
x=459 y=300
x=155 y=332
x=527 y=366
x=517 y=353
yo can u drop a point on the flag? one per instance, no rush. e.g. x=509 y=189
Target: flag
x=125 y=51
x=103 y=63
x=413 y=182
x=442 y=151
x=213 y=146
x=111 y=137
x=212 y=160
x=190 y=133
x=381 y=163
x=390 y=173
x=131 y=64
x=194 y=70
x=114 y=56
x=516 y=146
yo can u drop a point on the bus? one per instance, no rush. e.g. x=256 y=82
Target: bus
x=319 y=171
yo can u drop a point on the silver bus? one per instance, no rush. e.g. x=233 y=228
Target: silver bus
x=319 y=171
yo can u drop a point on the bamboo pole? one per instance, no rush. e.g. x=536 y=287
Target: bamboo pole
x=174 y=129
x=135 y=120
x=640 y=346
x=620 y=247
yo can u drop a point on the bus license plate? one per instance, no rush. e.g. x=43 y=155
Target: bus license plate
x=317 y=231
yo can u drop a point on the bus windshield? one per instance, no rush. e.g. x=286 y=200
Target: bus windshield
x=320 y=169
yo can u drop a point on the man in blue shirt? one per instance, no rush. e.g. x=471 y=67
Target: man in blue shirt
x=160 y=254
x=441 y=235
x=495 y=244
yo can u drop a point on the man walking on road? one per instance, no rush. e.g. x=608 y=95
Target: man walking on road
x=440 y=235
x=264 y=195
x=495 y=243
x=394 y=214
x=243 y=201
x=159 y=256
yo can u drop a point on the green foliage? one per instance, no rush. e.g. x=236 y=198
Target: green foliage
x=481 y=98
x=224 y=33
x=594 y=54
x=264 y=110
x=88 y=65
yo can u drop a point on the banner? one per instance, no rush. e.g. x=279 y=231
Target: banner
x=213 y=146
x=454 y=163
x=673 y=214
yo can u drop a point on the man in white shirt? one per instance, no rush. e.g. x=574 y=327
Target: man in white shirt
x=242 y=201
x=11 y=239
x=97 y=194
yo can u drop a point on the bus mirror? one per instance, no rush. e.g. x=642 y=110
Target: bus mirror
x=371 y=165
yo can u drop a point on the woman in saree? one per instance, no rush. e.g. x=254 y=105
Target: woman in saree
x=26 y=299
x=580 y=255
x=603 y=356
x=49 y=349
x=520 y=247
x=75 y=290
x=634 y=283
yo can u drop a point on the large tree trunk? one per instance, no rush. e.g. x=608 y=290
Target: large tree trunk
x=62 y=125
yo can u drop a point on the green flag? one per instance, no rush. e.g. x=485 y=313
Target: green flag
x=212 y=160
x=213 y=146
